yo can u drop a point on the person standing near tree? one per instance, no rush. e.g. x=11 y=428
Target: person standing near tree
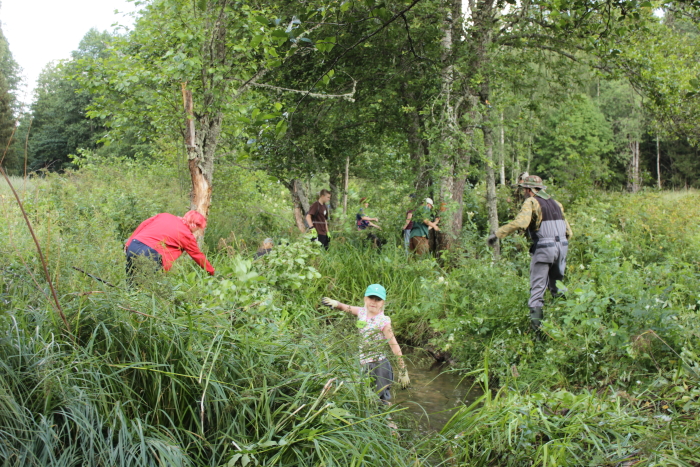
x=421 y=228
x=550 y=233
x=317 y=218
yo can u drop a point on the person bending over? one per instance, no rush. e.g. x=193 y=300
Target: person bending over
x=163 y=238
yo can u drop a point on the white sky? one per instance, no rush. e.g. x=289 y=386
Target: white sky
x=40 y=31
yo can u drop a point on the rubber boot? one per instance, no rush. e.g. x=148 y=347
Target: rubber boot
x=536 y=316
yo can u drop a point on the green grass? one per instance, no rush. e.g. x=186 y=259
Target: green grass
x=245 y=367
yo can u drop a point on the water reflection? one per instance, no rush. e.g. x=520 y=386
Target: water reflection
x=435 y=394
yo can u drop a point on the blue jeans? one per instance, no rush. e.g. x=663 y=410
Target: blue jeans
x=136 y=248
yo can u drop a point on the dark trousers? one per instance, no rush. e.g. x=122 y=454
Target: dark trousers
x=323 y=240
x=383 y=375
x=136 y=248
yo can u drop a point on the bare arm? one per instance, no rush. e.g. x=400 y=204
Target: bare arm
x=348 y=308
x=409 y=216
x=432 y=225
x=308 y=221
x=395 y=348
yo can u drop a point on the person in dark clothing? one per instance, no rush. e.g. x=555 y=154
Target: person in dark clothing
x=550 y=233
x=365 y=222
x=317 y=218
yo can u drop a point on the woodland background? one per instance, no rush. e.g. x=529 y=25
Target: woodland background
x=245 y=110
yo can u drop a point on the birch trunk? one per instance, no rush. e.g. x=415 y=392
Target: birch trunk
x=502 y=159
x=346 y=180
x=658 y=164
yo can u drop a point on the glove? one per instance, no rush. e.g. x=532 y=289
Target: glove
x=404 y=380
x=492 y=240
x=329 y=302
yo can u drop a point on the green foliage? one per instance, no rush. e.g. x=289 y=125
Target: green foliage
x=565 y=428
x=9 y=82
x=188 y=370
x=574 y=147
x=60 y=128
x=289 y=265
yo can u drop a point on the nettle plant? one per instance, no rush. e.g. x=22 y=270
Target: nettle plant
x=290 y=264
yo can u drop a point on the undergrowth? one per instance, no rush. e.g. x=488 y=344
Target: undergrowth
x=245 y=368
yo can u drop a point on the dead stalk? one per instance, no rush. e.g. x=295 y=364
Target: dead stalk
x=38 y=249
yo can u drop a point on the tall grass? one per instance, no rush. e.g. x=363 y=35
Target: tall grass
x=246 y=369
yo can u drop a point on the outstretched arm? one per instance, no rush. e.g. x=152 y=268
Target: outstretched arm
x=521 y=221
x=340 y=306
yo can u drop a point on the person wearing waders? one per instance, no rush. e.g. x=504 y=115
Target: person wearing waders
x=375 y=330
x=550 y=233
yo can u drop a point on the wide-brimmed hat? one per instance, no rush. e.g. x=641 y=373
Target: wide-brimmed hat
x=532 y=181
x=429 y=201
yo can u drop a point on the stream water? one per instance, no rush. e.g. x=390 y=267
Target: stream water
x=436 y=392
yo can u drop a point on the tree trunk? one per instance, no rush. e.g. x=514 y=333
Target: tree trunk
x=633 y=182
x=301 y=203
x=491 y=199
x=346 y=180
x=417 y=145
x=334 y=180
x=201 y=147
x=502 y=159
x=658 y=164
x=455 y=158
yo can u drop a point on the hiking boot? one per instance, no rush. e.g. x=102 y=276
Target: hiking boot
x=536 y=317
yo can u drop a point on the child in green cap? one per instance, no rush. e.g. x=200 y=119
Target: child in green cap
x=375 y=328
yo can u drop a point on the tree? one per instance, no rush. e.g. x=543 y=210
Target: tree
x=60 y=126
x=575 y=145
x=9 y=82
x=207 y=55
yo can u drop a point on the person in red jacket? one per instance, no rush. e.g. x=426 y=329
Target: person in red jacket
x=164 y=237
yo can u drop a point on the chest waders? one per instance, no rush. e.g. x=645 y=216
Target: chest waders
x=548 y=261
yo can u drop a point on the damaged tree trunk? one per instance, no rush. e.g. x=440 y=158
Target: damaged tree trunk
x=300 y=201
x=200 y=153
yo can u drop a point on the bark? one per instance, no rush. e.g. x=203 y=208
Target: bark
x=334 y=181
x=634 y=178
x=346 y=180
x=300 y=201
x=483 y=19
x=658 y=164
x=491 y=199
x=502 y=160
x=417 y=146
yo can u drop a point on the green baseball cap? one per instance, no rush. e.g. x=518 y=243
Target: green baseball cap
x=376 y=290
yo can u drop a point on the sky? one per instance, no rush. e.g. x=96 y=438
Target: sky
x=40 y=31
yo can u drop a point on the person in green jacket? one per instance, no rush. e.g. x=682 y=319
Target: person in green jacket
x=543 y=218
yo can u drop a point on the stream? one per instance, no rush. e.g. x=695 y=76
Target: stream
x=435 y=394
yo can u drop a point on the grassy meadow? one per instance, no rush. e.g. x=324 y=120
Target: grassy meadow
x=245 y=368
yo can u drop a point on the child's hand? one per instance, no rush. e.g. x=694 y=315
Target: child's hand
x=404 y=380
x=329 y=302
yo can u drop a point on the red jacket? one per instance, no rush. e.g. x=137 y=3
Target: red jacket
x=169 y=236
